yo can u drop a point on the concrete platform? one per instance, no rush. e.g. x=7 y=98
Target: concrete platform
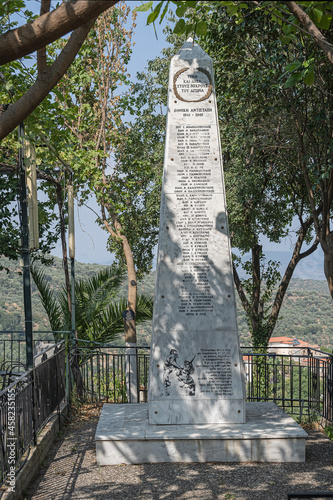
x=123 y=435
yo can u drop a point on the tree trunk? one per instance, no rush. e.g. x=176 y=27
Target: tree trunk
x=128 y=315
x=25 y=105
x=132 y=383
x=296 y=257
x=328 y=262
x=256 y=316
x=262 y=332
x=130 y=325
x=310 y=26
x=77 y=375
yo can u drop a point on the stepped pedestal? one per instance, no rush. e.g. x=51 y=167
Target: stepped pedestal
x=124 y=436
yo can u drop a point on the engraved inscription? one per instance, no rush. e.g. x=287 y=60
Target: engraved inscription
x=216 y=373
x=192 y=84
x=194 y=189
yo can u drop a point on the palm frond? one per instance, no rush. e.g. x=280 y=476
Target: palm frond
x=48 y=298
x=98 y=312
x=95 y=293
x=144 y=307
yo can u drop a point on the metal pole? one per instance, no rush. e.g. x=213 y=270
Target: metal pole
x=71 y=247
x=73 y=299
x=25 y=253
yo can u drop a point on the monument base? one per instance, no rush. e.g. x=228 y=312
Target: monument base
x=123 y=435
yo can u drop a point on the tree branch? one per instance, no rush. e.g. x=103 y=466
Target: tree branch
x=49 y=27
x=241 y=292
x=316 y=34
x=22 y=108
x=296 y=257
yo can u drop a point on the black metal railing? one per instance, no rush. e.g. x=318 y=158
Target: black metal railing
x=50 y=384
x=13 y=347
x=26 y=405
x=299 y=381
x=114 y=374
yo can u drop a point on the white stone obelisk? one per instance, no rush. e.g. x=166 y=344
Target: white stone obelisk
x=196 y=394
x=196 y=369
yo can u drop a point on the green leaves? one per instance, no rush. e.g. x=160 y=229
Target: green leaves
x=98 y=310
x=144 y=8
x=321 y=14
x=201 y=28
x=187 y=23
x=180 y=11
x=179 y=29
x=292 y=66
x=293 y=79
x=309 y=77
x=301 y=71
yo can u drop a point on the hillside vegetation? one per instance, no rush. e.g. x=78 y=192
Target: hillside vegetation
x=306 y=312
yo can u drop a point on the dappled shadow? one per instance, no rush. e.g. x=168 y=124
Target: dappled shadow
x=83 y=479
x=195 y=361
x=269 y=435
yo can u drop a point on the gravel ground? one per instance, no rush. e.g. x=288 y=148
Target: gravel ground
x=71 y=472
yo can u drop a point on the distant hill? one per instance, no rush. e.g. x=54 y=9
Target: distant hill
x=310 y=268
x=306 y=312
x=11 y=296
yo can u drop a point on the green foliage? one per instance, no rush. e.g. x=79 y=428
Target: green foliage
x=9 y=231
x=137 y=185
x=329 y=431
x=112 y=386
x=194 y=19
x=98 y=313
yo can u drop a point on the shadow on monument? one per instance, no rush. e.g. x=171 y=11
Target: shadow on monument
x=196 y=395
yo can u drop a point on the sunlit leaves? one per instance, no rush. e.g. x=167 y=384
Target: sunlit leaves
x=144 y=8
x=98 y=311
x=192 y=20
x=300 y=72
x=180 y=27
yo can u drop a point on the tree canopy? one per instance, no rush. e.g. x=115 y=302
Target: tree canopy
x=265 y=94
x=76 y=16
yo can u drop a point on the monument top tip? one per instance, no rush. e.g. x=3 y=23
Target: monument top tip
x=190 y=50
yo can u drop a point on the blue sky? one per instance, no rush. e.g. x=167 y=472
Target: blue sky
x=91 y=239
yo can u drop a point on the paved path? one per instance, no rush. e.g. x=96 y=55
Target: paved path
x=71 y=472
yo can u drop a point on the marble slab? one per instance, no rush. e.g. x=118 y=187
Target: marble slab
x=123 y=435
x=196 y=370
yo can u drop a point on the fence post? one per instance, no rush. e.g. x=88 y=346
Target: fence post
x=34 y=405
x=329 y=389
x=67 y=371
x=131 y=367
x=25 y=252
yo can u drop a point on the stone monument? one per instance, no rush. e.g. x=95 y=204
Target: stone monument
x=196 y=369
x=196 y=395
